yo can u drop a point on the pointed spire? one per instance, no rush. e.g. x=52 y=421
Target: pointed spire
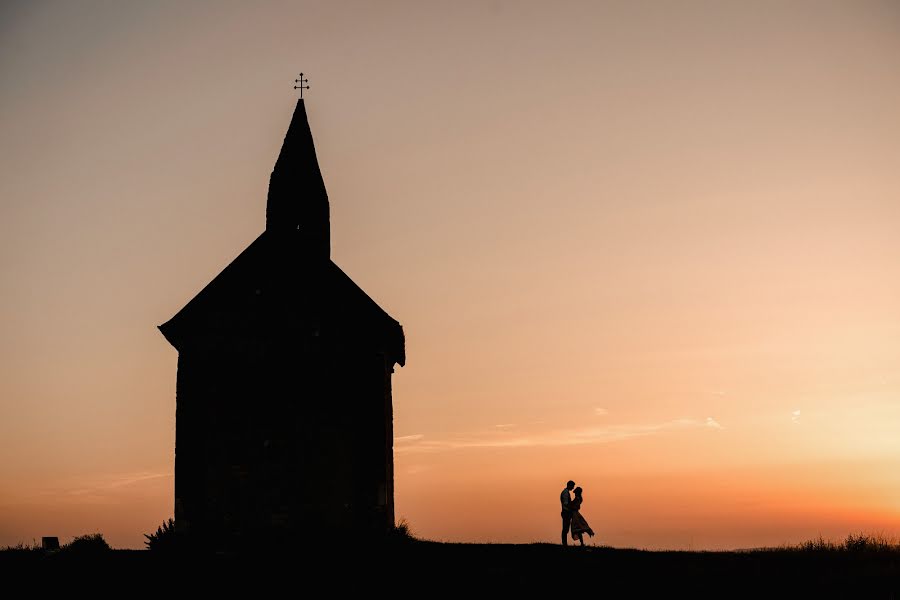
x=298 y=202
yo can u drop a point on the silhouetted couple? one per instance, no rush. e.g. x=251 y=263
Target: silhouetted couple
x=571 y=515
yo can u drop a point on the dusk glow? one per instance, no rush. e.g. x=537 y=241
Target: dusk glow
x=651 y=247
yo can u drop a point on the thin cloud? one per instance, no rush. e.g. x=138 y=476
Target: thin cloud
x=102 y=489
x=795 y=416
x=135 y=478
x=601 y=412
x=118 y=481
x=558 y=438
x=505 y=426
x=408 y=438
x=710 y=422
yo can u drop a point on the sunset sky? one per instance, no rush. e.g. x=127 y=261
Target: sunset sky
x=653 y=247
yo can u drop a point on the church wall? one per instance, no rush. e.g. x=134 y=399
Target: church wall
x=275 y=441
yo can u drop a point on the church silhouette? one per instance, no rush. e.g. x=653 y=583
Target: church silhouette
x=284 y=418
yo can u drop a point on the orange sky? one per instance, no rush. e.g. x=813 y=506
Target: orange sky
x=652 y=247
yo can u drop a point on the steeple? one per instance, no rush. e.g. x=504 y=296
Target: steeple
x=298 y=203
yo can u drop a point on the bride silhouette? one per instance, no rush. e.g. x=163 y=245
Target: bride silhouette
x=579 y=523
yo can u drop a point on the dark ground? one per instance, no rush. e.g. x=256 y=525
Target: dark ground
x=476 y=569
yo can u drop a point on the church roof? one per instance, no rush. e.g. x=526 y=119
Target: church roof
x=261 y=293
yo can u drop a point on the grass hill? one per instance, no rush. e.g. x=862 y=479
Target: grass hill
x=859 y=567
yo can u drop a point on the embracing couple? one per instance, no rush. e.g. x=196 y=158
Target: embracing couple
x=571 y=515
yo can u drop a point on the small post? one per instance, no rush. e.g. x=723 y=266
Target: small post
x=50 y=543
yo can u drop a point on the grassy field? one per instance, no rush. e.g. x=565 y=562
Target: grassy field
x=859 y=567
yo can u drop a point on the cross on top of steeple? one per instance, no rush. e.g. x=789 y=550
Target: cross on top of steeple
x=301 y=87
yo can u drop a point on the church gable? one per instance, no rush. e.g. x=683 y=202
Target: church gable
x=254 y=296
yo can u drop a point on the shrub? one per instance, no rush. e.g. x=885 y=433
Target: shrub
x=92 y=543
x=164 y=539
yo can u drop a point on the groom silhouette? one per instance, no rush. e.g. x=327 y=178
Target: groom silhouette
x=565 y=501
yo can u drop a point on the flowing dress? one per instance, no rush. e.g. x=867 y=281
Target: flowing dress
x=579 y=523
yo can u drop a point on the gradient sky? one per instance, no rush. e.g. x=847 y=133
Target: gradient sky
x=653 y=247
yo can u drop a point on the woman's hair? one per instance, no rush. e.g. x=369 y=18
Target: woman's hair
x=578 y=491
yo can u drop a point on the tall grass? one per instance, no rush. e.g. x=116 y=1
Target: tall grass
x=24 y=549
x=91 y=544
x=401 y=532
x=855 y=542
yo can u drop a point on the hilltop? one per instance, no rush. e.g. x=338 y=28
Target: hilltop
x=812 y=570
